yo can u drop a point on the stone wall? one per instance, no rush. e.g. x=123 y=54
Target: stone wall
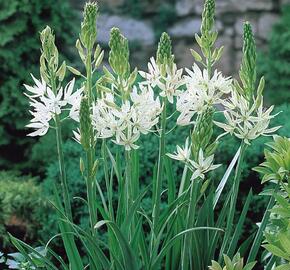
x=182 y=22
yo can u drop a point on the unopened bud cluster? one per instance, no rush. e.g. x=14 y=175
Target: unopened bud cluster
x=208 y=17
x=89 y=29
x=49 y=57
x=119 y=53
x=248 y=71
x=202 y=135
x=164 y=55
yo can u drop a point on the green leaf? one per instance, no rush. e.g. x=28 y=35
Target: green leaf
x=276 y=251
x=171 y=242
x=129 y=258
x=283 y=267
x=226 y=177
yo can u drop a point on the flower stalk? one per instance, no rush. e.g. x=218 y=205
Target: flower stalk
x=165 y=63
x=88 y=38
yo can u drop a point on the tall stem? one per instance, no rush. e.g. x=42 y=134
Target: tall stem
x=160 y=168
x=209 y=67
x=233 y=202
x=186 y=254
x=62 y=171
x=128 y=184
x=259 y=235
x=91 y=189
x=64 y=185
x=91 y=185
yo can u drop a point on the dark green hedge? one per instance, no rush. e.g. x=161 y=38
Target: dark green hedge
x=20 y=23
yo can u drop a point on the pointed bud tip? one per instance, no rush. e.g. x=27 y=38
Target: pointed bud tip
x=164 y=51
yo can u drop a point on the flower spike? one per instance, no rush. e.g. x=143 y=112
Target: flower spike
x=85 y=123
x=119 y=53
x=248 y=73
x=208 y=17
x=88 y=28
x=164 y=52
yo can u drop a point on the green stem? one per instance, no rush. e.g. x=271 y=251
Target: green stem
x=160 y=168
x=128 y=182
x=91 y=189
x=64 y=185
x=69 y=242
x=183 y=179
x=233 y=202
x=91 y=185
x=209 y=64
x=63 y=180
x=89 y=75
x=258 y=238
x=187 y=252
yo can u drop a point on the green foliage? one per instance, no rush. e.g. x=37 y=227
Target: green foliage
x=21 y=206
x=237 y=263
x=188 y=232
x=134 y=7
x=275 y=63
x=277 y=168
x=165 y=16
x=148 y=145
x=20 y=23
x=18 y=261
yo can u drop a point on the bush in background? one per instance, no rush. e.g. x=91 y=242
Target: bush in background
x=21 y=207
x=275 y=63
x=20 y=23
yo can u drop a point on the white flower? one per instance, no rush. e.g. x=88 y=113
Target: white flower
x=181 y=154
x=41 y=127
x=202 y=166
x=124 y=124
x=37 y=90
x=201 y=92
x=246 y=121
x=127 y=139
x=46 y=104
x=199 y=167
x=168 y=83
x=77 y=135
x=215 y=86
x=153 y=75
x=53 y=101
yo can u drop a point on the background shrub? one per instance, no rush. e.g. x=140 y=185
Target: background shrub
x=275 y=63
x=20 y=23
x=21 y=207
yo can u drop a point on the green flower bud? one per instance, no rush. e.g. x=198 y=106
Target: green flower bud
x=88 y=27
x=248 y=72
x=119 y=53
x=82 y=166
x=208 y=17
x=85 y=123
x=164 y=51
x=202 y=135
x=49 y=56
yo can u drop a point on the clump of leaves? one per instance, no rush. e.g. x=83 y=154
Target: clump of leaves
x=18 y=261
x=20 y=23
x=276 y=168
x=237 y=263
x=275 y=63
x=20 y=204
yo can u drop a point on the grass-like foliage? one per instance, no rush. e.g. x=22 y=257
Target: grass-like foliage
x=191 y=221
